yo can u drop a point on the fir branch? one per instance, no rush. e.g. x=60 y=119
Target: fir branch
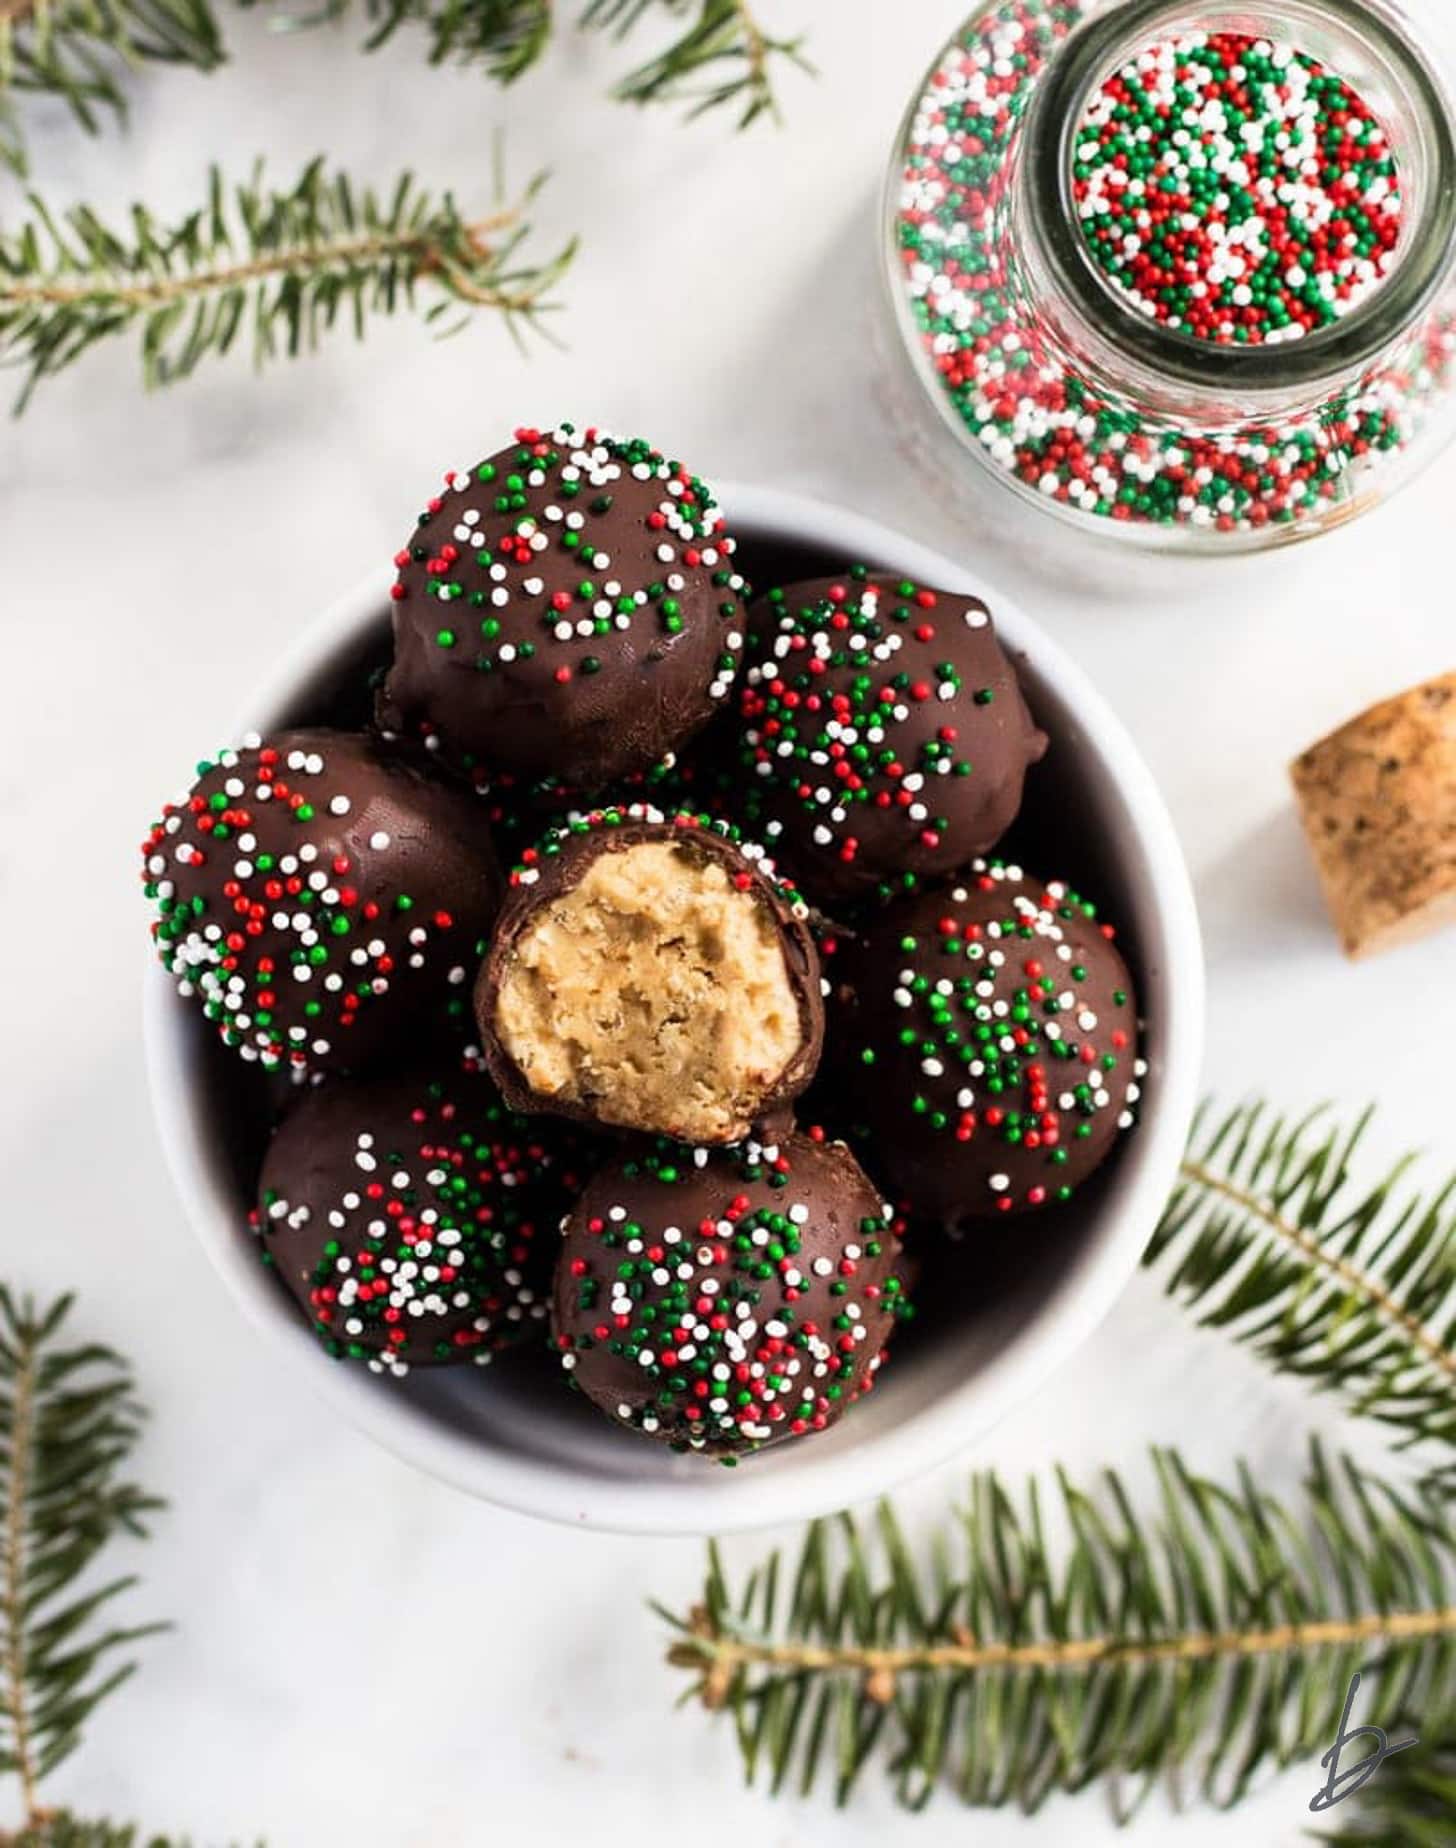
x=1351 y=1290
x=506 y=37
x=63 y=1830
x=1197 y=1648
x=282 y=267
x=82 y=50
x=722 y=57
x=12 y=141
x=68 y=1423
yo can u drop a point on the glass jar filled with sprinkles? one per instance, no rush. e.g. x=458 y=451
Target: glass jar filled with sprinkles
x=1183 y=275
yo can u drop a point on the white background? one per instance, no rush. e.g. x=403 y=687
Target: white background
x=363 y=1657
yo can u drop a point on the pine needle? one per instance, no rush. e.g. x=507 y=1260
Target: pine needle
x=1195 y=1647
x=280 y=269
x=1352 y=1290
x=63 y=1830
x=82 y=51
x=69 y=1420
x=504 y=37
x=722 y=57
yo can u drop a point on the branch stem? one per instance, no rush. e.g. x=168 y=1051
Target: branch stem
x=12 y=1573
x=754 y=43
x=721 y=1656
x=166 y=289
x=1359 y=1282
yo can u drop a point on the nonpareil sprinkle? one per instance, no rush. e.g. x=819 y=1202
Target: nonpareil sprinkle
x=1236 y=190
x=1226 y=184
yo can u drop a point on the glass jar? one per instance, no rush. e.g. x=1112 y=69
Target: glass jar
x=1020 y=362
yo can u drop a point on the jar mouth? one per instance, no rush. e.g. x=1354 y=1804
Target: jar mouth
x=1365 y=42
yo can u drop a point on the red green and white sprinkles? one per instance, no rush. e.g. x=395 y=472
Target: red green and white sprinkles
x=285 y=942
x=838 y=751
x=528 y=869
x=859 y=708
x=1236 y=190
x=741 y=1318
x=1067 y=432
x=1000 y=1012
x=546 y=504
x=418 y=1254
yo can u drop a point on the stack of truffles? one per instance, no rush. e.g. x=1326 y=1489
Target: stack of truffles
x=563 y=1103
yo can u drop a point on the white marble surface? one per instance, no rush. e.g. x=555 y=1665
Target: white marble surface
x=363 y=1657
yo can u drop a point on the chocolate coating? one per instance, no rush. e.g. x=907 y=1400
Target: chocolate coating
x=568 y=609
x=987 y=1037
x=885 y=739
x=719 y=1299
x=414 y=1218
x=521 y=812
x=562 y=859
x=320 y=899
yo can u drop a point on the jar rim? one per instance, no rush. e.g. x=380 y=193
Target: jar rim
x=1348 y=344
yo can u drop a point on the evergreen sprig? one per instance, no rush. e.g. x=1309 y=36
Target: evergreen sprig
x=721 y=58
x=60 y=1829
x=12 y=141
x=1350 y=1288
x=82 y=50
x=69 y=1419
x=280 y=269
x=504 y=37
x=1195 y=1648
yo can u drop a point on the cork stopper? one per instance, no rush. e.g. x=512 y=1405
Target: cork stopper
x=1378 y=800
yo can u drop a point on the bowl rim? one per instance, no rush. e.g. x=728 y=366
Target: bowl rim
x=818 y=1483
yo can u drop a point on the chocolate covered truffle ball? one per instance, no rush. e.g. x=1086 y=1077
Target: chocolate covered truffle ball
x=885 y=739
x=649 y=973
x=320 y=899
x=986 y=1036
x=718 y=1299
x=568 y=609
x=415 y=1218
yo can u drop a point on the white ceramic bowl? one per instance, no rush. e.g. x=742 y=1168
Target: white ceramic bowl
x=512 y=1433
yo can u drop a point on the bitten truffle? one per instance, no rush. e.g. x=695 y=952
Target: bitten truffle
x=719 y=1299
x=568 y=609
x=885 y=739
x=649 y=973
x=319 y=898
x=986 y=1036
x=1378 y=800
x=415 y=1218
